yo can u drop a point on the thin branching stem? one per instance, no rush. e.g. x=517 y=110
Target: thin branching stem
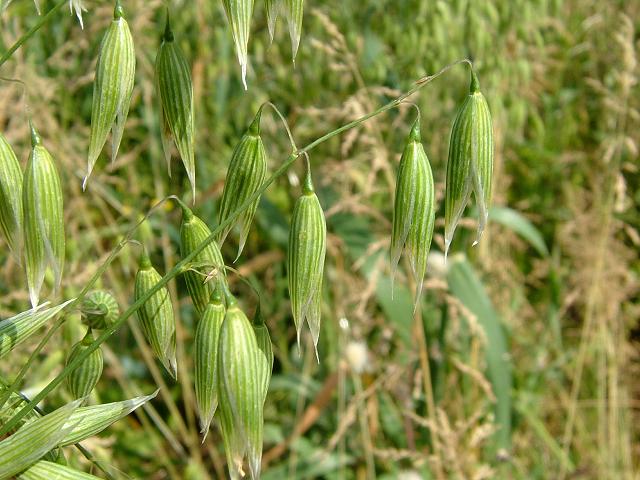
x=180 y=266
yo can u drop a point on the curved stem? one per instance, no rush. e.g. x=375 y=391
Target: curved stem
x=7 y=55
x=285 y=123
x=178 y=268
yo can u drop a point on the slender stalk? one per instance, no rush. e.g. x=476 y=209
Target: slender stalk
x=181 y=265
x=23 y=39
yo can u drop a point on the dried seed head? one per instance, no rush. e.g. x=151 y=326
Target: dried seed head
x=246 y=174
x=206 y=360
x=112 y=88
x=242 y=368
x=414 y=209
x=239 y=14
x=10 y=197
x=271 y=7
x=44 y=240
x=99 y=310
x=208 y=266
x=470 y=164
x=81 y=381
x=156 y=315
x=294 y=10
x=175 y=89
x=305 y=261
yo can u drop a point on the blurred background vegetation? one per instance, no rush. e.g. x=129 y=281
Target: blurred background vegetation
x=531 y=337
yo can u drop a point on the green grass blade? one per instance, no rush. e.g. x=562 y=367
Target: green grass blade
x=466 y=286
x=44 y=470
x=520 y=225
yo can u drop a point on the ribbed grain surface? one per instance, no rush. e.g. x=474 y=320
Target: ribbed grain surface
x=246 y=174
x=99 y=309
x=112 y=88
x=43 y=219
x=83 y=379
x=205 y=360
x=470 y=163
x=175 y=89
x=239 y=14
x=10 y=197
x=193 y=232
x=45 y=470
x=156 y=317
x=241 y=369
x=305 y=262
x=414 y=209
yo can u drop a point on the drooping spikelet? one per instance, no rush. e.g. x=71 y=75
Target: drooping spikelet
x=239 y=14
x=206 y=360
x=414 y=209
x=264 y=344
x=10 y=197
x=242 y=368
x=208 y=266
x=112 y=88
x=44 y=239
x=246 y=173
x=294 y=10
x=175 y=88
x=156 y=315
x=99 y=309
x=305 y=260
x=470 y=164
x=271 y=9
x=83 y=379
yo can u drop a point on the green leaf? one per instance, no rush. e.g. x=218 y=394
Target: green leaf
x=33 y=440
x=522 y=226
x=466 y=286
x=44 y=470
x=15 y=330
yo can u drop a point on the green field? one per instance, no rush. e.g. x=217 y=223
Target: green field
x=522 y=358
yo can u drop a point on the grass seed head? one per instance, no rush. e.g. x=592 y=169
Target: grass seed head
x=271 y=8
x=206 y=358
x=246 y=174
x=264 y=344
x=414 y=209
x=239 y=14
x=208 y=266
x=156 y=315
x=305 y=261
x=175 y=89
x=83 y=379
x=44 y=239
x=470 y=163
x=242 y=368
x=112 y=88
x=10 y=197
x=99 y=309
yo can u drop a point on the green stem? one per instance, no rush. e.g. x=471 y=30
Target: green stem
x=179 y=267
x=7 y=55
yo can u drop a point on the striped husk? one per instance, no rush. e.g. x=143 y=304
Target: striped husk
x=207 y=269
x=470 y=164
x=99 y=309
x=263 y=340
x=206 y=359
x=414 y=209
x=294 y=10
x=10 y=197
x=239 y=14
x=44 y=240
x=241 y=370
x=112 y=88
x=83 y=379
x=246 y=174
x=271 y=9
x=175 y=88
x=156 y=316
x=305 y=261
